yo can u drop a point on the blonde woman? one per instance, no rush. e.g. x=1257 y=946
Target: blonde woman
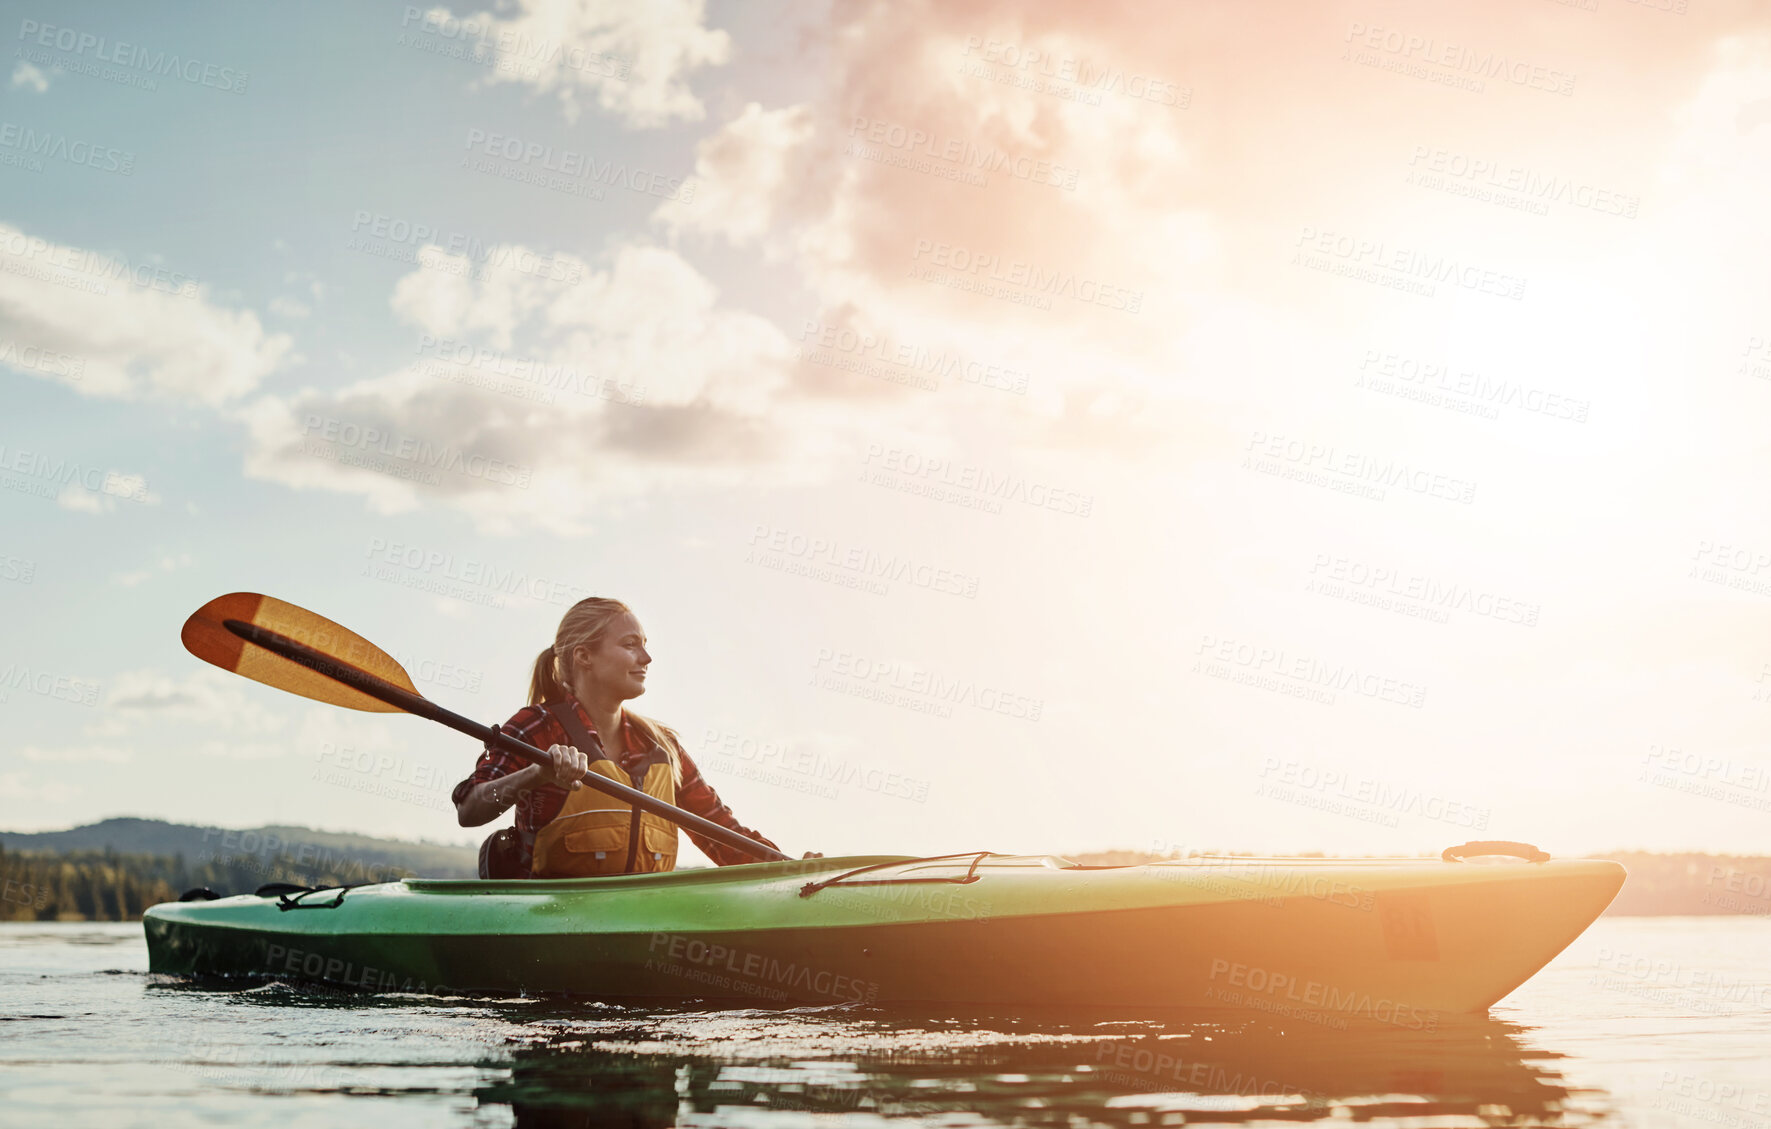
x=563 y=829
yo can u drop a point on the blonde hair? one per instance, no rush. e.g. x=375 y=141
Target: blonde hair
x=584 y=625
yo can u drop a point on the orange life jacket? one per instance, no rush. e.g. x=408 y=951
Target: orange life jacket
x=596 y=834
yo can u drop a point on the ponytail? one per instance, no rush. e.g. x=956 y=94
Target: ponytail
x=544 y=681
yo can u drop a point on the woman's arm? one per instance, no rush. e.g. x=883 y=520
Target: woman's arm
x=698 y=796
x=489 y=799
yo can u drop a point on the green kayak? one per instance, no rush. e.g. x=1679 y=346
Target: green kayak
x=1392 y=940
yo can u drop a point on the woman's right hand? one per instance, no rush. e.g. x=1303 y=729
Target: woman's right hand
x=568 y=766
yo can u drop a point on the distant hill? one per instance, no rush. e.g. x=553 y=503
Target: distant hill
x=291 y=847
x=1659 y=885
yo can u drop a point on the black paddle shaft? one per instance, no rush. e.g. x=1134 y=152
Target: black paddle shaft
x=322 y=663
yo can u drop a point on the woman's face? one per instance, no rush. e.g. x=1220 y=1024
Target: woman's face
x=617 y=664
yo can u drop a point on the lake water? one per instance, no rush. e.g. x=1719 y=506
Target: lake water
x=1643 y=1022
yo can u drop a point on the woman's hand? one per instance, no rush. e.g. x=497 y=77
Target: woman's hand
x=812 y=855
x=568 y=765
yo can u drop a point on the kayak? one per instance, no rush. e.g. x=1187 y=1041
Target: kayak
x=1393 y=940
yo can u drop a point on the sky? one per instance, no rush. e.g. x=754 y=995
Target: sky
x=1035 y=427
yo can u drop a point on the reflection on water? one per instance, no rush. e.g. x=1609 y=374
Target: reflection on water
x=1640 y=1025
x=1052 y=1069
x=559 y=1063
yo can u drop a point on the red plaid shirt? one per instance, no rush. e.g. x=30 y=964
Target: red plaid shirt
x=539 y=805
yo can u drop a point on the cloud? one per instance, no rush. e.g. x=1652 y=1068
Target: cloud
x=220 y=715
x=1103 y=199
x=239 y=750
x=290 y=308
x=78 y=754
x=113 y=329
x=75 y=497
x=30 y=78
x=542 y=393
x=742 y=172
x=205 y=699
x=16 y=787
x=1724 y=128
x=975 y=216
x=307 y=279
x=631 y=60
x=166 y=563
x=115 y=486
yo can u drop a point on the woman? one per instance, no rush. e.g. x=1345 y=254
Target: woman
x=564 y=829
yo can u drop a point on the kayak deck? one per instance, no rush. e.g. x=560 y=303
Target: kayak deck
x=1392 y=940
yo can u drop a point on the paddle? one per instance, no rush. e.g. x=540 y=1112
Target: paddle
x=293 y=649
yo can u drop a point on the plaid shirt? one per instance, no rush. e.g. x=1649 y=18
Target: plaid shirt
x=539 y=805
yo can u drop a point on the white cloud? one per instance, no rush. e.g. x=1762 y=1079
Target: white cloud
x=29 y=77
x=451 y=295
x=22 y=790
x=224 y=715
x=631 y=60
x=78 y=754
x=237 y=750
x=449 y=608
x=126 y=330
x=205 y=699
x=902 y=159
x=305 y=279
x=115 y=486
x=166 y=563
x=75 y=497
x=1725 y=128
x=590 y=384
x=741 y=172
x=289 y=308
x=131 y=486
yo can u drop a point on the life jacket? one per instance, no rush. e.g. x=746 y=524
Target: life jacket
x=596 y=834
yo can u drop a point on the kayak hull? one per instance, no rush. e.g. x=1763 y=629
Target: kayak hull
x=1396 y=941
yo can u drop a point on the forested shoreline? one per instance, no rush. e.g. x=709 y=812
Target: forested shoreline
x=109 y=885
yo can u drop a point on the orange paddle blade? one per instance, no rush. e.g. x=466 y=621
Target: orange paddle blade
x=205 y=637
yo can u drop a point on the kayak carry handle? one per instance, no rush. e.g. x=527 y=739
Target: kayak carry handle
x=278 y=889
x=1478 y=848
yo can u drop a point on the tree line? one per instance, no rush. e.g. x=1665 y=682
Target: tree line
x=1659 y=885
x=107 y=885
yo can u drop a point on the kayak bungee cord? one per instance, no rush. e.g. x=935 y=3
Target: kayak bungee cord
x=293 y=900
x=971 y=873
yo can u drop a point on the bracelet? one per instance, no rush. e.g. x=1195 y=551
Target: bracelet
x=497 y=797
